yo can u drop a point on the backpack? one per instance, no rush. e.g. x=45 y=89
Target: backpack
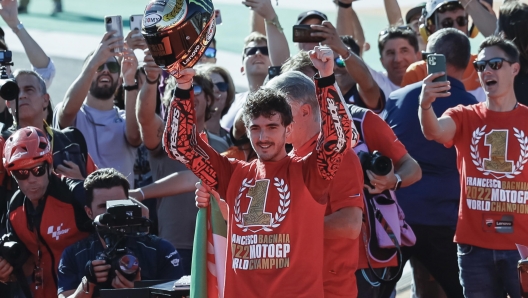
x=384 y=217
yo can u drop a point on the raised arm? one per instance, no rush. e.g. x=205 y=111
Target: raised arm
x=337 y=131
x=174 y=184
x=128 y=72
x=348 y=24
x=277 y=43
x=394 y=14
x=77 y=92
x=35 y=54
x=183 y=143
x=356 y=67
x=482 y=14
x=441 y=129
x=150 y=124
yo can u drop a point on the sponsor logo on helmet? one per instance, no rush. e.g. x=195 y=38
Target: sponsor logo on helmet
x=192 y=55
x=210 y=32
x=178 y=12
x=151 y=19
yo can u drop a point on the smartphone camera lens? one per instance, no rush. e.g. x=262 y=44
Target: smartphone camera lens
x=109 y=20
x=131 y=18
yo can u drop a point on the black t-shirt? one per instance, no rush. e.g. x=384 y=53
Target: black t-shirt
x=521 y=88
x=6 y=118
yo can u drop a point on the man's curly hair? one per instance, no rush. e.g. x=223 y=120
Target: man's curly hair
x=267 y=102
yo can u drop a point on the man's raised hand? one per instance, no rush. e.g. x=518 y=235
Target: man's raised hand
x=323 y=59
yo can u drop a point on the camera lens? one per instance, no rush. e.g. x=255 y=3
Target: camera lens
x=132 y=19
x=108 y=20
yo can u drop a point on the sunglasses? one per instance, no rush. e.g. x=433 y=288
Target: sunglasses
x=449 y=23
x=339 y=62
x=222 y=86
x=113 y=67
x=197 y=89
x=37 y=171
x=210 y=52
x=393 y=29
x=495 y=64
x=253 y=50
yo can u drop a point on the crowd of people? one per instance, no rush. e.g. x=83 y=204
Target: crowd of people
x=326 y=177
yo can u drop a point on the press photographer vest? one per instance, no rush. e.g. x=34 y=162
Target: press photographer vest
x=60 y=222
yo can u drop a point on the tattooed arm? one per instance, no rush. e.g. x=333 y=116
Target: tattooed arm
x=337 y=131
x=183 y=143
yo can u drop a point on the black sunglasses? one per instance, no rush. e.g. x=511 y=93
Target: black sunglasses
x=395 y=29
x=449 y=23
x=37 y=171
x=113 y=67
x=253 y=50
x=494 y=63
x=222 y=86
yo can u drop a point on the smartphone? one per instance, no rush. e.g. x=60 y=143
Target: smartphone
x=218 y=17
x=135 y=21
x=302 y=33
x=437 y=63
x=115 y=23
x=273 y=71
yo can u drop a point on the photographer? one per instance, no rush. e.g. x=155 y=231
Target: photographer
x=46 y=213
x=158 y=260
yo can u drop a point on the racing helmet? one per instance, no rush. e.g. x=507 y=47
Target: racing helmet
x=178 y=32
x=26 y=148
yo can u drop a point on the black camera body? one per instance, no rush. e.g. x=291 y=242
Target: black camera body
x=376 y=163
x=121 y=221
x=8 y=87
x=14 y=252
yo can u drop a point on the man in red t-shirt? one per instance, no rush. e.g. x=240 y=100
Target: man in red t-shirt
x=277 y=202
x=491 y=145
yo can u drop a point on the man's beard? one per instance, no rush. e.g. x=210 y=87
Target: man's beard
x=103 y=92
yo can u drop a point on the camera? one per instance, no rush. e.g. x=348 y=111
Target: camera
x=14 y=252
x=8 y=87
x=376 y=163
x=121 y=221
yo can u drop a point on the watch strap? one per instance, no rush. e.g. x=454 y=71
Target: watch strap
x=131 y=87
x=398 y=182
x=344 y=5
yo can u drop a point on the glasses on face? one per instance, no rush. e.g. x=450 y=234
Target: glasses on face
x=339 y=62
x=449 y=23
x=210 y=52
x=222 y=86
x=24 y=173
x=253 y=50
x=197 y=89
x=113 y=67
x=495 y=64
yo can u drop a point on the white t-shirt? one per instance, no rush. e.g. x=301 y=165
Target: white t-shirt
x=383 y=82
x=104 y=132
x=229 y=118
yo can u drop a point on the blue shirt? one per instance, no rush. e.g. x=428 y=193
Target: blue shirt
x=157 y=258
x=434 y=199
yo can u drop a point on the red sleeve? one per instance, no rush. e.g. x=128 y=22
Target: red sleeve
x=456 y=114
x=182 y=143
x=379 y=136
x=90 y=165
x=346 y=189
x=338 y=134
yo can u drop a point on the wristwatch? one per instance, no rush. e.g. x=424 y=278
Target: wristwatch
x=131 y=87
x=398 y=182
x=341 y=4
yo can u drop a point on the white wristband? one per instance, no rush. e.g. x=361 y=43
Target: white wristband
x=142 y=193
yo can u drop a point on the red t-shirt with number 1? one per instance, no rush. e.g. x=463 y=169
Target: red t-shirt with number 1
x=492 y=151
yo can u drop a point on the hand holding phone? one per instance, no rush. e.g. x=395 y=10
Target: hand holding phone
x=303 y=33
x=437 y=63
x=115 y=23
